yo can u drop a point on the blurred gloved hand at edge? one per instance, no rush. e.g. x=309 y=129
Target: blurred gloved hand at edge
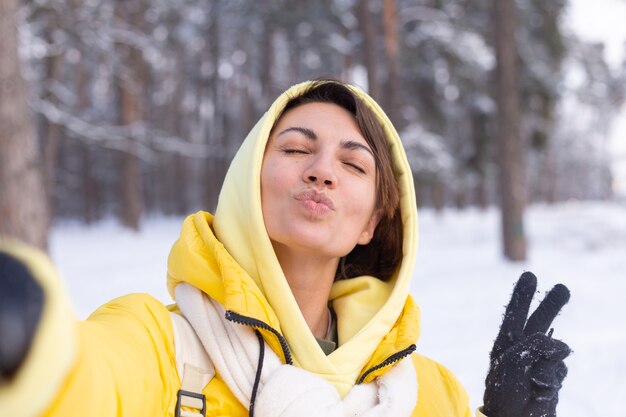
x=21 y=305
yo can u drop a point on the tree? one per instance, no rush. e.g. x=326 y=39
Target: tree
x=368 y=30
x=512 y=182
x=51 y=132
x=130 y=94
x=390 y=27
x=142 y=104
x=23 y=203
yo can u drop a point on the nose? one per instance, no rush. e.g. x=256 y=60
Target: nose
x=321 y=171
x=313 y=178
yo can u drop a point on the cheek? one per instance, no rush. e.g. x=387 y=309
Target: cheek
x=266 y=189
x=270 y=179
x=267 y=198
x=268 y=172
x=363 y=198
x=274 y=188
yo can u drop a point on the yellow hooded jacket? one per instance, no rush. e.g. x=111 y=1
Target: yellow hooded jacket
x=121 y=361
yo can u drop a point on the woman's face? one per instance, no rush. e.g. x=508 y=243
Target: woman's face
x=318 y=183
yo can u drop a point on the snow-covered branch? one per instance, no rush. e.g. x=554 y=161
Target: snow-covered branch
x=137 y=138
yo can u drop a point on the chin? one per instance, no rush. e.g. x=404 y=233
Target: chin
x=313 y=245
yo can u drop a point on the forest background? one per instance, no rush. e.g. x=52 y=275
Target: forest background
x=139 y=106
x=127 y=112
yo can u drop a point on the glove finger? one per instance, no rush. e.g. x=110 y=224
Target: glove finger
x=545 y=379
x=561 y=371
x=541 y=319
x=516 y=313
x=545 y=387
x=544 y=394
x=545 y=348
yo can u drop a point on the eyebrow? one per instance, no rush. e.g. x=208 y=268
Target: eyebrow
x=305 y=131
x=352 y=145
x=310 y=134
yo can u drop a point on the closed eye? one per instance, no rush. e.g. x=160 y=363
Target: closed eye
x=355 y=167
x=294 y=151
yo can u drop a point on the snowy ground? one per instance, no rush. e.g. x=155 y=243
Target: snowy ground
x=460 y=283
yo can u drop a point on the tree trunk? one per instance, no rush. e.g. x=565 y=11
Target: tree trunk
x=131 y=187
x=512 y=183
x=368 y=29
x=181 y=179
x=23 y=203
x=480 y=137
x=390 y=25
x=439 y=195
x=130 y=91
x=347 y=59
x=89 y=184
x=132 y=192
x=51 y=131
x=267 y=59
x=461 y=193
x=217 y=136
x=551 y=176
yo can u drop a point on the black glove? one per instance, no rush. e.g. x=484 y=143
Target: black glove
x=527 y=367
x=21 y=303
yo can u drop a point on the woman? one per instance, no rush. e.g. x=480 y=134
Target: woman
x=292 y=300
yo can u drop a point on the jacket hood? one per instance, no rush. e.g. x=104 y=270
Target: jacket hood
x=230 y=257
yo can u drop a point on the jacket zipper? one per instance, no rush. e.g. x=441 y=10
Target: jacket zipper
x=396 y=357
x=255 y=323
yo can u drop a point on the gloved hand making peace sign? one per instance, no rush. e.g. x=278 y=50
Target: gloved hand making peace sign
x=526 y=363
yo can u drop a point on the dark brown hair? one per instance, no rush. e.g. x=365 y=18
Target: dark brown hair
x=383 y=253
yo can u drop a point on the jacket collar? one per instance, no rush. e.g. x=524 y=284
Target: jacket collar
x=199 y=259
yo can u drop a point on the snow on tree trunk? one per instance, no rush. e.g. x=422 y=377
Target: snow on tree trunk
x=512 y=184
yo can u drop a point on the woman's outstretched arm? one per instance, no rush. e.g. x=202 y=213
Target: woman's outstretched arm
x=120 y=361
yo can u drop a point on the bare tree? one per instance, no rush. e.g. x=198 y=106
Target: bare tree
x=89 y=185
x=392 y=50
x=148 y=101
x=131 y=187
x=512 y=183
x=130 y=93
x=23 y=203
x=368 y=30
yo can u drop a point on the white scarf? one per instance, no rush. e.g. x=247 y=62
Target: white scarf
x=284 y=390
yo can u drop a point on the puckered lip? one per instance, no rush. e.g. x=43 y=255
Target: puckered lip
x=316 y=196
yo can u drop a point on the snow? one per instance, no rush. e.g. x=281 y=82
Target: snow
x=600 y=21
x=603 y=21
x=461 y=284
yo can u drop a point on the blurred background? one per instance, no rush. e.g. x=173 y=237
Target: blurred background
x=138 y=106
x=119 y=117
